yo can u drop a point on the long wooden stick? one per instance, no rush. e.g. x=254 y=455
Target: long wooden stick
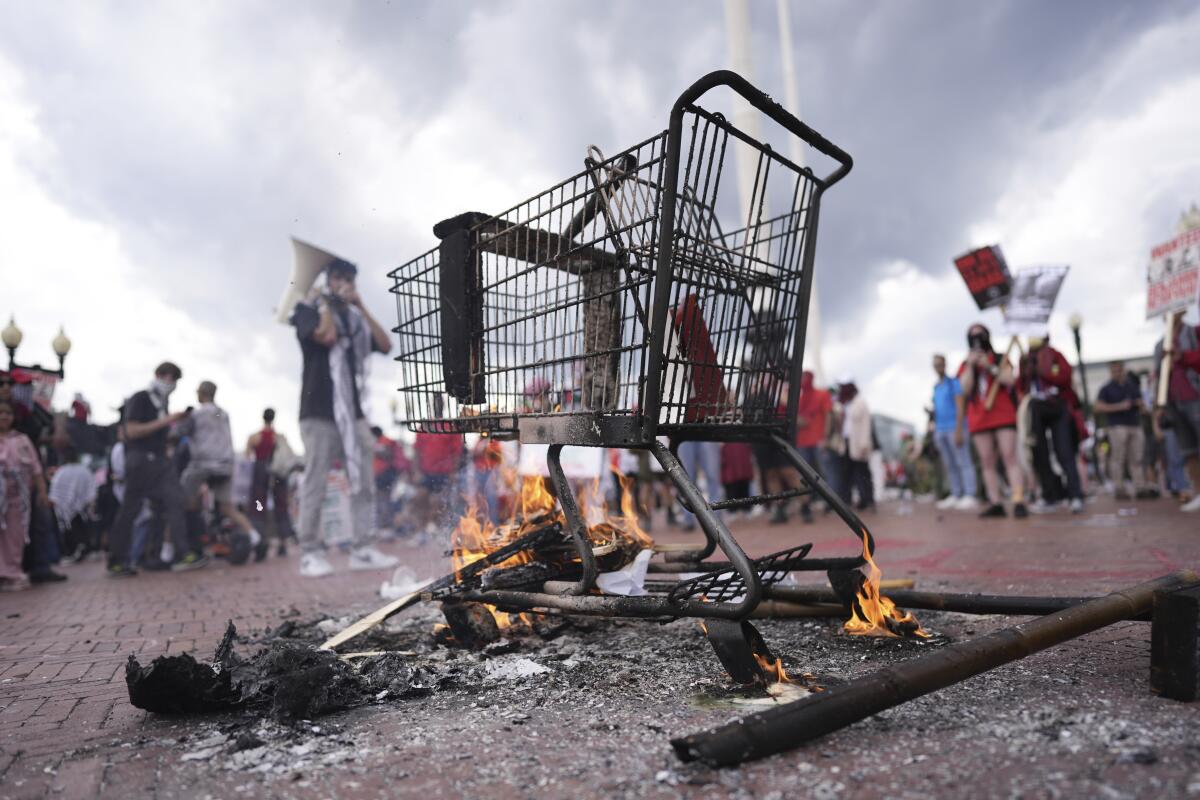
x=995 y=387
x=1164 y=369
x=374 y=618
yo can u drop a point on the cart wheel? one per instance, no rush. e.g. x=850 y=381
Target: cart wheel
x=239 y=548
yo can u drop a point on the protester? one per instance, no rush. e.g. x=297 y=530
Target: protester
x=859 y=443
x=1120 y=400
x=273 y=462
x=42 y=428
x=955 y=453
x=988 y=404
x=210 y=443
x=151 y=475
x=486 y=457
x=737 y=469
x=812 y=423
x=1183 y=402
x=1054 y=411
x=336 y=334
x=704 y=457
x=21 y=474
x=439 y=458
x=72 y=496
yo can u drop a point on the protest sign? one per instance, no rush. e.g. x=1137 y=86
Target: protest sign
x=1173 y=275
x=986 y=274
x=1034 y=291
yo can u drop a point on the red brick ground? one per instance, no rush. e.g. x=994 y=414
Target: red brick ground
x=67 y=729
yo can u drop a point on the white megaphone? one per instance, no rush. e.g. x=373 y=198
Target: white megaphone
x=308 y=263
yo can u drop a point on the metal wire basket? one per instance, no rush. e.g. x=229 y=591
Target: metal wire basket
x=623 y=303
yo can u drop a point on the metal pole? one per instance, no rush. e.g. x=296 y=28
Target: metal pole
x=786 y=727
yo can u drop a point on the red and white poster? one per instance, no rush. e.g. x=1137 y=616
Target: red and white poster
x=1173 y=275
x=986 y=274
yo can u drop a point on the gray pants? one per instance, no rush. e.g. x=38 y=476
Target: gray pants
x=322 y=445
x=1128 y=444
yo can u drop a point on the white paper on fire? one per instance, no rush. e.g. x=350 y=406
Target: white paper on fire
x=1034 y=291
x=630 y=580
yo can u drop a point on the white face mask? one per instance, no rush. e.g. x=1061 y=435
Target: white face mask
x=163 y=387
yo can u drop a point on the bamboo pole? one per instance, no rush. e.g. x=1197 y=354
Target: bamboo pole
x=995 y=387
x=1164 y=369
x=789 y=726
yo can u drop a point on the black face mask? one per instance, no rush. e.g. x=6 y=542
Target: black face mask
x=979 y=341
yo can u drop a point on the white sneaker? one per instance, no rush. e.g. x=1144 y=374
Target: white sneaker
x=967 y=503
x=1191 y=506
x=1077 y=506
x=370 y=558
x=314 y=565
x=947 y=503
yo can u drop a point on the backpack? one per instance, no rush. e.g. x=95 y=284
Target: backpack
x=283 y=458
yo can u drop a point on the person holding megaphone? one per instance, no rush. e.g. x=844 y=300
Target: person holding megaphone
x=336 y=334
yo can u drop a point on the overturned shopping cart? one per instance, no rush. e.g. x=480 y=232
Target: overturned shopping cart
x=615 y=308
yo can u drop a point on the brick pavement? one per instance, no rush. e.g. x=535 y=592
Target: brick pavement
x=67 y=730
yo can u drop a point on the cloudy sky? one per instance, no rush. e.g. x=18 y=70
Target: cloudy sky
x=155 y=158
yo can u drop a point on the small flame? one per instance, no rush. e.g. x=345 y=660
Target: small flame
x=773 y=672
x=873 y=614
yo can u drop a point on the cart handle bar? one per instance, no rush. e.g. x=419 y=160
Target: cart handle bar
x=763 y=102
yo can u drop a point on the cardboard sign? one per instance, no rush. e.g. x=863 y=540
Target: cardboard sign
x=1034 y=291
x=1173 y=275
x=986 y=274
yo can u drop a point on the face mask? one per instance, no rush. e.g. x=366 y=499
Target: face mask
x=979 y=341
x=163 y=387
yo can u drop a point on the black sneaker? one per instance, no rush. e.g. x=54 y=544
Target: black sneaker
x=189 y=562
x=260 y=549
x=120 y=571
x=155 y=565
x=806 y=514
x=994 y=510
x=780 y=516
x=1020 y=511
x=281 y=551
x=49 y=576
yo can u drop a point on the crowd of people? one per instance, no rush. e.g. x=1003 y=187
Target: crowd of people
x=1006 y=435
x=1021 y=426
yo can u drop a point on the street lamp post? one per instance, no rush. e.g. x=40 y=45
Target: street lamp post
x=12 y=336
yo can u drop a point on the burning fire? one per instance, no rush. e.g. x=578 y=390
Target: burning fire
x=773 y=672
x=872 y=614
x=475 y=535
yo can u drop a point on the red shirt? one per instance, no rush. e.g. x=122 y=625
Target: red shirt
x=1003 y=413
x=737 y=462
x=266 y=445
x=815 y=406
x=1181 y=389
x=438 y=453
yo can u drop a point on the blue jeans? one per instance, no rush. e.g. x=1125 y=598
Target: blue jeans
x=960 y=471
x=1177 y=480
x=704 y=457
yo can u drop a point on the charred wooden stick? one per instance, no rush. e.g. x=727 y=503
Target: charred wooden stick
x=789 y=726
x=937 y=601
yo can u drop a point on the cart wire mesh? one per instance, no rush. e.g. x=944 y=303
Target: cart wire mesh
x=547 y=309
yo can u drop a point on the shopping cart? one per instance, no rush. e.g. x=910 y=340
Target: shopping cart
x=614 y=308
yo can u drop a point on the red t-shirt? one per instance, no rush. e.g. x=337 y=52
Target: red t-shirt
x=737 y=462
x=266 y=445
x=438 y=453
x=814 y=406
x=1003 y=414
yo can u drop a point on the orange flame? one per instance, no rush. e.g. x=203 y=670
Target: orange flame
x=475 y=535
x=773 y=672
x=879 y=616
